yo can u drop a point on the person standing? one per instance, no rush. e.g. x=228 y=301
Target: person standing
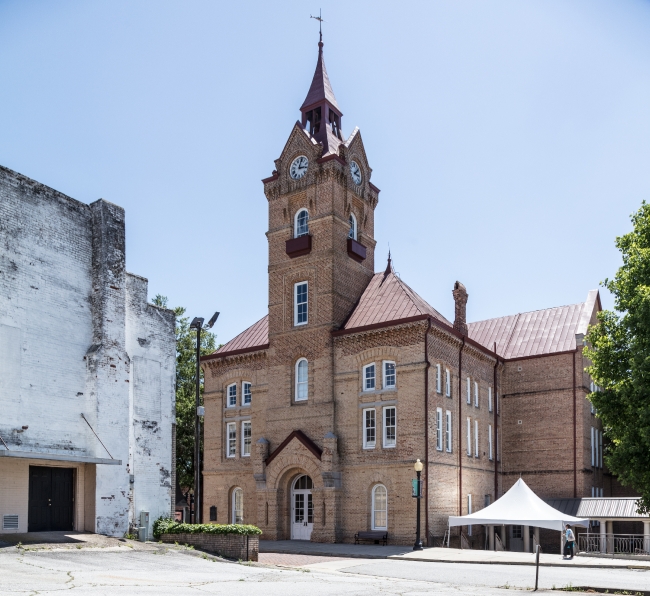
x=569 y=542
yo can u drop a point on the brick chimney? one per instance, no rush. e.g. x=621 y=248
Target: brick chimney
x=460 y=298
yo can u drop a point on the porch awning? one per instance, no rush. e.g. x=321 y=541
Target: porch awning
x=80 y=459
x=520 y=506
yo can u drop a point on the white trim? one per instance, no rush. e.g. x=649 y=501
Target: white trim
x=299 y=383
x=449 y=446
x=353 y=233
x=365 y=427
x=295 y=223
x=469 y=436
x=490 y=442
x=374 y=377
x=243 y=393
x=231 y=448
x=295 y=304
x=447 y=383
x=439 y=429
x=469 y=391
x=243 y=438
x=489 y=399
x=385 y=442
x=475 y=394
x=438 y=379
x=233 y=506
x=383 y=380
x=374 y=509
x=476 y=445
x=230 y=403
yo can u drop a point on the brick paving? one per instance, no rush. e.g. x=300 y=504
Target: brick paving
x=289 y=560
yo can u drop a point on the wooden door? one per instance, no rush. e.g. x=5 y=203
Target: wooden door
x=51 y=499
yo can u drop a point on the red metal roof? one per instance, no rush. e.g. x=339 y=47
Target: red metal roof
x=530 y=333
x=388 y=298
x=321 y=88
x=256 y=335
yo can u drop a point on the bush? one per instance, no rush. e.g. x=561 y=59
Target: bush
x=166 y=525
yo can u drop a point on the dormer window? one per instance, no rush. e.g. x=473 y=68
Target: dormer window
x=301 y=223
x=313 y=121
x=353 y=227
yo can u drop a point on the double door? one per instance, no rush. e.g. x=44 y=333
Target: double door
x=302 y=514
x=51 y=499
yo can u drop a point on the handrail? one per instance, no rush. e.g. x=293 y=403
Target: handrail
x=632 y=544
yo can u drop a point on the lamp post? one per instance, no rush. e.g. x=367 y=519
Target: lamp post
x=418 y=495
x=197 y=324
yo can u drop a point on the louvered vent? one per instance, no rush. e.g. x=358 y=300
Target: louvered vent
x=9 y=522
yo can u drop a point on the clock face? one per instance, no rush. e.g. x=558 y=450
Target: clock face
x=298 y=167
x=355 y=172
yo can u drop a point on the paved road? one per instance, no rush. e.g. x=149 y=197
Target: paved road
x=178 y=572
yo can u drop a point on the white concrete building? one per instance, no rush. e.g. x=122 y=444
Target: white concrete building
x=87 y=370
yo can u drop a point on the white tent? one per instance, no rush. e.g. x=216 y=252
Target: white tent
x=520 y=506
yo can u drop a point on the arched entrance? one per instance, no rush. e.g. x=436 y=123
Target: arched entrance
x=302 y=508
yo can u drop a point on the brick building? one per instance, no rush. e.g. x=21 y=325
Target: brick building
x=87 y=370
x=316 y=414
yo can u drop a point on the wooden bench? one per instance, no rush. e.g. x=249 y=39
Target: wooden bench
x=376 y=536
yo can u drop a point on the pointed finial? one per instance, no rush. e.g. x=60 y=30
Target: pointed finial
x=389 y=266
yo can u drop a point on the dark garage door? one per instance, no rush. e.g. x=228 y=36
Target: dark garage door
x=50 y=499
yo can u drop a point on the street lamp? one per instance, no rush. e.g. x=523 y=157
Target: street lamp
x=418 y=495
x=197 y=324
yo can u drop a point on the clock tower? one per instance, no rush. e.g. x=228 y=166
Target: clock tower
x=321 y=258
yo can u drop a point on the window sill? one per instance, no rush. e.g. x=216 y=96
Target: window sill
x=389 y=446
x=300 y=402
x=368 y=448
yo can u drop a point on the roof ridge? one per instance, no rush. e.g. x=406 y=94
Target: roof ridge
x=526 y=312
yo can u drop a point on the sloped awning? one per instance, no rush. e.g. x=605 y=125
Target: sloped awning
x=520 y=506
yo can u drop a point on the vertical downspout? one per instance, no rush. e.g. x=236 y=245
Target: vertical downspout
x=460 y=428
x=426 y=431
x=496 y=425
x=575 y=438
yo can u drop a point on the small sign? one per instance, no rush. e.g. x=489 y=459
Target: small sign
x=417 y=489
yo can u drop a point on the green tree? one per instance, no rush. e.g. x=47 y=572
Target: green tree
x=186 y=390
x=619 y=349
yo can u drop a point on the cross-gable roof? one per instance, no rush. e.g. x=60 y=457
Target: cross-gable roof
x=256 y=337
x=388 y=298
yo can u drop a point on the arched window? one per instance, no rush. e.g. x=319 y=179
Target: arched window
x=353 y=227
x=238 y=506
x=301 y=223
x=379 y=508
x=301 y=379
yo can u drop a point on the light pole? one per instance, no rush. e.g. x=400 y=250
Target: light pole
x=197 y=324
x=418 y=495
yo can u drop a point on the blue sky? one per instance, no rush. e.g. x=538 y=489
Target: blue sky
x=511 y=140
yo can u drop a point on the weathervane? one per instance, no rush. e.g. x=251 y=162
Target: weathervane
x=320 y=20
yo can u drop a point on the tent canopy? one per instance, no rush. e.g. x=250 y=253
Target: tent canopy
x=520 y=506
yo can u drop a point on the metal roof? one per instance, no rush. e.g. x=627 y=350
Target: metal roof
x=599 y=507
x=321 y=88
x=256 y=335
x=388 y=298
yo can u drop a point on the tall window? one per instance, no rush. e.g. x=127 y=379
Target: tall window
x=369 y=377
x=593 y=448
x=379 y=508
x=302 y=376
x=238 y=506
x=438 y=379
x=447 y=383
x=600 y=449
x=369 y=428
x=439 y=429
x=231 y=437
x=469 y=391
x=246 y=437
x=246 y=393
x=353 y=227
x=469 y=436
x=489 y=399
x=475 y=394
x=476 y=452
x=448 y=431
x=232 y=395
x=389 y=375
x=301 y=224
x=300 y=303
x=390 y=426
x=490 y=441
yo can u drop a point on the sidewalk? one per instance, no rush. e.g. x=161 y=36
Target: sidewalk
x=442 y=555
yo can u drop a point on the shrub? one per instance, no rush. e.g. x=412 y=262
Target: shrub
x=166 y=525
